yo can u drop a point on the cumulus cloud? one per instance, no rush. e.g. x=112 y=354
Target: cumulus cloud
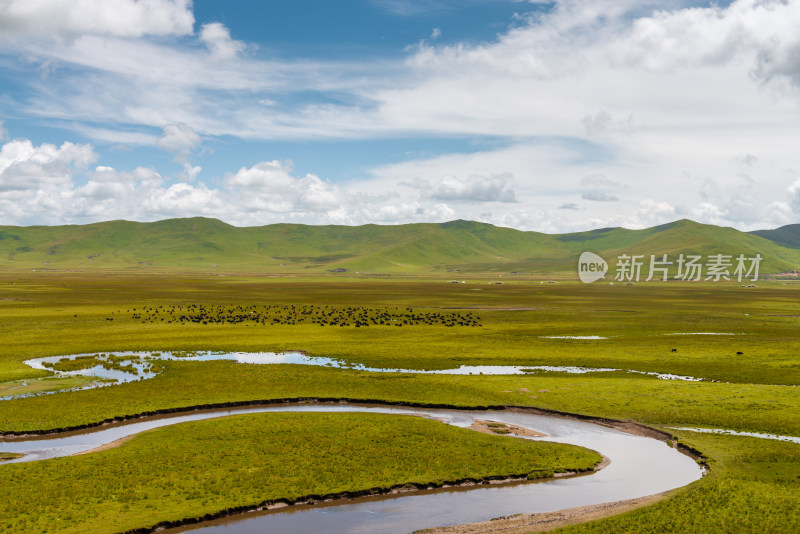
x=185 y=200
x=179 y=139
x=738 y=199
x=45 y=184
x=708 y=213
x=270 y=186
x=794 y=196
x=764 y=31
x=24 y=166
x=189 y=172
x=593 y=70
x=218 y=40
x=601 y=188
x=474 y=188
x=50 y=185
x=603 y=122
x=743 y=202
x=21 y=19
x=568 y=90
x=398 y=213
x=652 y=213
x=597 y=123
x=598 y=196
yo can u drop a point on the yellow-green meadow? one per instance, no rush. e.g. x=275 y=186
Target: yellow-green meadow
x=742 y=341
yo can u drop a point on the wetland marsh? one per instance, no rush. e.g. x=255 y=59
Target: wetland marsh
x=524 y=325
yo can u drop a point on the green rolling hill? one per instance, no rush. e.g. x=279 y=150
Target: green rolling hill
x=788 y=236
x=465 y=246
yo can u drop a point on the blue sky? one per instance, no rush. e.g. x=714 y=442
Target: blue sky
x=549 y=116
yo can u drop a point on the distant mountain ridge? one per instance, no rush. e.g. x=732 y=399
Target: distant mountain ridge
x=209 y=244
x=787 y=236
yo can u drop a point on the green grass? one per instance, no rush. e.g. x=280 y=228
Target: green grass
x=209 y=244
x=68 y=314
x=47 y=314
x=648 y=400
x=202 y=467
x=63 y=314
x=41 y=385
x=753 y=487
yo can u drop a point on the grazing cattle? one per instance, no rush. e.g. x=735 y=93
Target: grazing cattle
x=739 y=353
x=293 y=315
x=674 y=350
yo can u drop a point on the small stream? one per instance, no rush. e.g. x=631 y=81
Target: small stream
x=129 y=366
x=726 y=432
x=639 y=466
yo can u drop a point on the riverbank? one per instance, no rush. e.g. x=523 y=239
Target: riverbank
x=530 y=523
x=252 y=460
x=347 y=496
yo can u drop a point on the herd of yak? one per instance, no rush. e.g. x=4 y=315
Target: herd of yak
x=356 y=316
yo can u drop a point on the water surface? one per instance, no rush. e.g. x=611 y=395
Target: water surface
x=128 y=366
x=639 y=466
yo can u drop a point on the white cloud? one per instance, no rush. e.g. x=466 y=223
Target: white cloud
x=780 y=214
x=581 y=69
x=597 y=123
x=185 y=200
x=395 y=213
x=598 y=196
x=603 y=122
x=569 y=90
x=179 y=139
x=600 y=180
x=652 y=213
x=218 y=40
x=20 y=19
x=748 y=159
x=794 y=196
x=740 y=199
x=763 y=32
x=410 y=7
x=24 y=166
x=118 y=136
x=48 y=192
x=706 y=212
x=474 y=188
x=601 y=187
x=270 y=187
x=189 y=173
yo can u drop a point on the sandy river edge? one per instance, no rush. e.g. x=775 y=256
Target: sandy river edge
x=529 y=523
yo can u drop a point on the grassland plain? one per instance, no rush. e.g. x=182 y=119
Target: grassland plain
x=752 y=488
x=44 y=314
x=172 y=473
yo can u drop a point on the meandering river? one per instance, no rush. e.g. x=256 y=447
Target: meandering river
x=639 y=466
